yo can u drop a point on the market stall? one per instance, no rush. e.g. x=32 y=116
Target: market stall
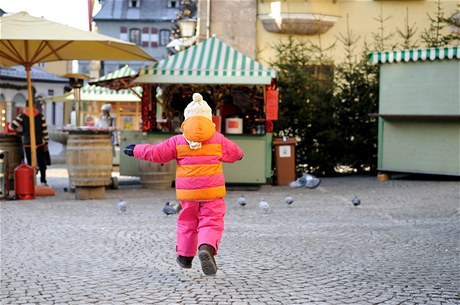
x=227 y=79
x=125 y=104
x=419 y=111
x=125 y=108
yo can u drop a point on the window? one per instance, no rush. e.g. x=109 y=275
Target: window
x=135 y=36
x=164 y=37
x=134 y=3
x=172 y=4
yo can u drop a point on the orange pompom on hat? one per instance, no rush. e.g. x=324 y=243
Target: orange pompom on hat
x=198 y=126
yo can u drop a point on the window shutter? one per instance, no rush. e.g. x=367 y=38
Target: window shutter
x=154 y=37
x=145 y=37
x=124 y=33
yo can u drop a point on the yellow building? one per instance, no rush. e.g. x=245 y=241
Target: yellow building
x=323 y=21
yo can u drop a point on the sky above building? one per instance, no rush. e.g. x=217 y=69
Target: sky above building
x=73 y=13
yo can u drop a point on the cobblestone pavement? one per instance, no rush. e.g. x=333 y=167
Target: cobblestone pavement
x=400 y=246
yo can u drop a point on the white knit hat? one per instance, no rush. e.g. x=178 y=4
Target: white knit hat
x=198 y=107
x=106 y=107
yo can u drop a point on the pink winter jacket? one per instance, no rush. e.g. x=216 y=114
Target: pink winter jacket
x=199 y=174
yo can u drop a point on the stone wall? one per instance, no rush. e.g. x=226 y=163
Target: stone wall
x=232 y=21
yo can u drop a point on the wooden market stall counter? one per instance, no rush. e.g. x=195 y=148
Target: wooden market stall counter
x=254 y=168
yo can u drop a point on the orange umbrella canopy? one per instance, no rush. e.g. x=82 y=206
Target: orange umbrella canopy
x=26 y=40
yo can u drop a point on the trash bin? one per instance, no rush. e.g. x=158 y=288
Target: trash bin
x=284 y=160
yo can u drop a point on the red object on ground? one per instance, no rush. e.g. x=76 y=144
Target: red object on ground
x=42 y=190
x=24 y=182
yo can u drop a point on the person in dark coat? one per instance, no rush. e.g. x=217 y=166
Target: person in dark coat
x=22 y=124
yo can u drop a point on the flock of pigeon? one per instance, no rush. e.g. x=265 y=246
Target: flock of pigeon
x=307 y=180
x=263 y=205
x=288 y=200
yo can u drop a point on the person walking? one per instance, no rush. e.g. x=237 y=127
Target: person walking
x=106 y=120
x=22 y=124
x=200 y=183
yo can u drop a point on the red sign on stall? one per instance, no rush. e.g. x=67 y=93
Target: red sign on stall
x=272 y=103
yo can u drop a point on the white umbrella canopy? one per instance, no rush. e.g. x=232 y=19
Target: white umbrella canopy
x=26 y=40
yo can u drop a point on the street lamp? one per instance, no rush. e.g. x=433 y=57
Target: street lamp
x=187 y=27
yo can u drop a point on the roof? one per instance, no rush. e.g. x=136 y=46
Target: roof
x=37 y=75
x=209 y=62
x=415 y=55
x=101 y=94
x=152 y=10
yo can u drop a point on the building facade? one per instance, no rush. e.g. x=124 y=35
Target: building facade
x=147 y=23
x=13 y=94
x=326 y=22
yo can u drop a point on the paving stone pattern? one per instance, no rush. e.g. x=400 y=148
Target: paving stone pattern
x=400 y=246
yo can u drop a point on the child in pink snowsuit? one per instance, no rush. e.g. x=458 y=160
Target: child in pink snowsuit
x=200 y=183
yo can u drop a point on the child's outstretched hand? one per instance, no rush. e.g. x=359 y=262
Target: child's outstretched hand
x=129 y=150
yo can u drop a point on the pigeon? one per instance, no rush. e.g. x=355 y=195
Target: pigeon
x=312 y=182
x=288 y=200
x=121 y=206
x=171 y=208
x=355 y=200
x=307 y=180
x=264 y=206
x=242 y=201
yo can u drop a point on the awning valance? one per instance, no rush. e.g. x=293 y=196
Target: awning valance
x=415 y=55
x=101 y=94
x=209 y=62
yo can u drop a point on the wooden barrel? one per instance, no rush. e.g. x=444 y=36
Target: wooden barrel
x=13 y=145
x=89 y=159
x=155 y=175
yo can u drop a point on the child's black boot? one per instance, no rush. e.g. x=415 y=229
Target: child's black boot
x=184 y=261
x=206 y=256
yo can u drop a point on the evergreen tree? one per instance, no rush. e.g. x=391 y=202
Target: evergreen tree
x=305 y=84
x=454 y=23
x=407 y=33
x=433 y=36
x=355 y=101
x=382 y=38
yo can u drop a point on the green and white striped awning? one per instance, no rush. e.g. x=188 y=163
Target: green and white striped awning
x=415 y=55
x=100 y=94
x=209 y=62
x=123 y=72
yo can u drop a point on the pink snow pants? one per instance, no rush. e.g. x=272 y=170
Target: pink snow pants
x=199 y=222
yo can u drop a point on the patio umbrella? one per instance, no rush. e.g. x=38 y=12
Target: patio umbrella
x=26 y=40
